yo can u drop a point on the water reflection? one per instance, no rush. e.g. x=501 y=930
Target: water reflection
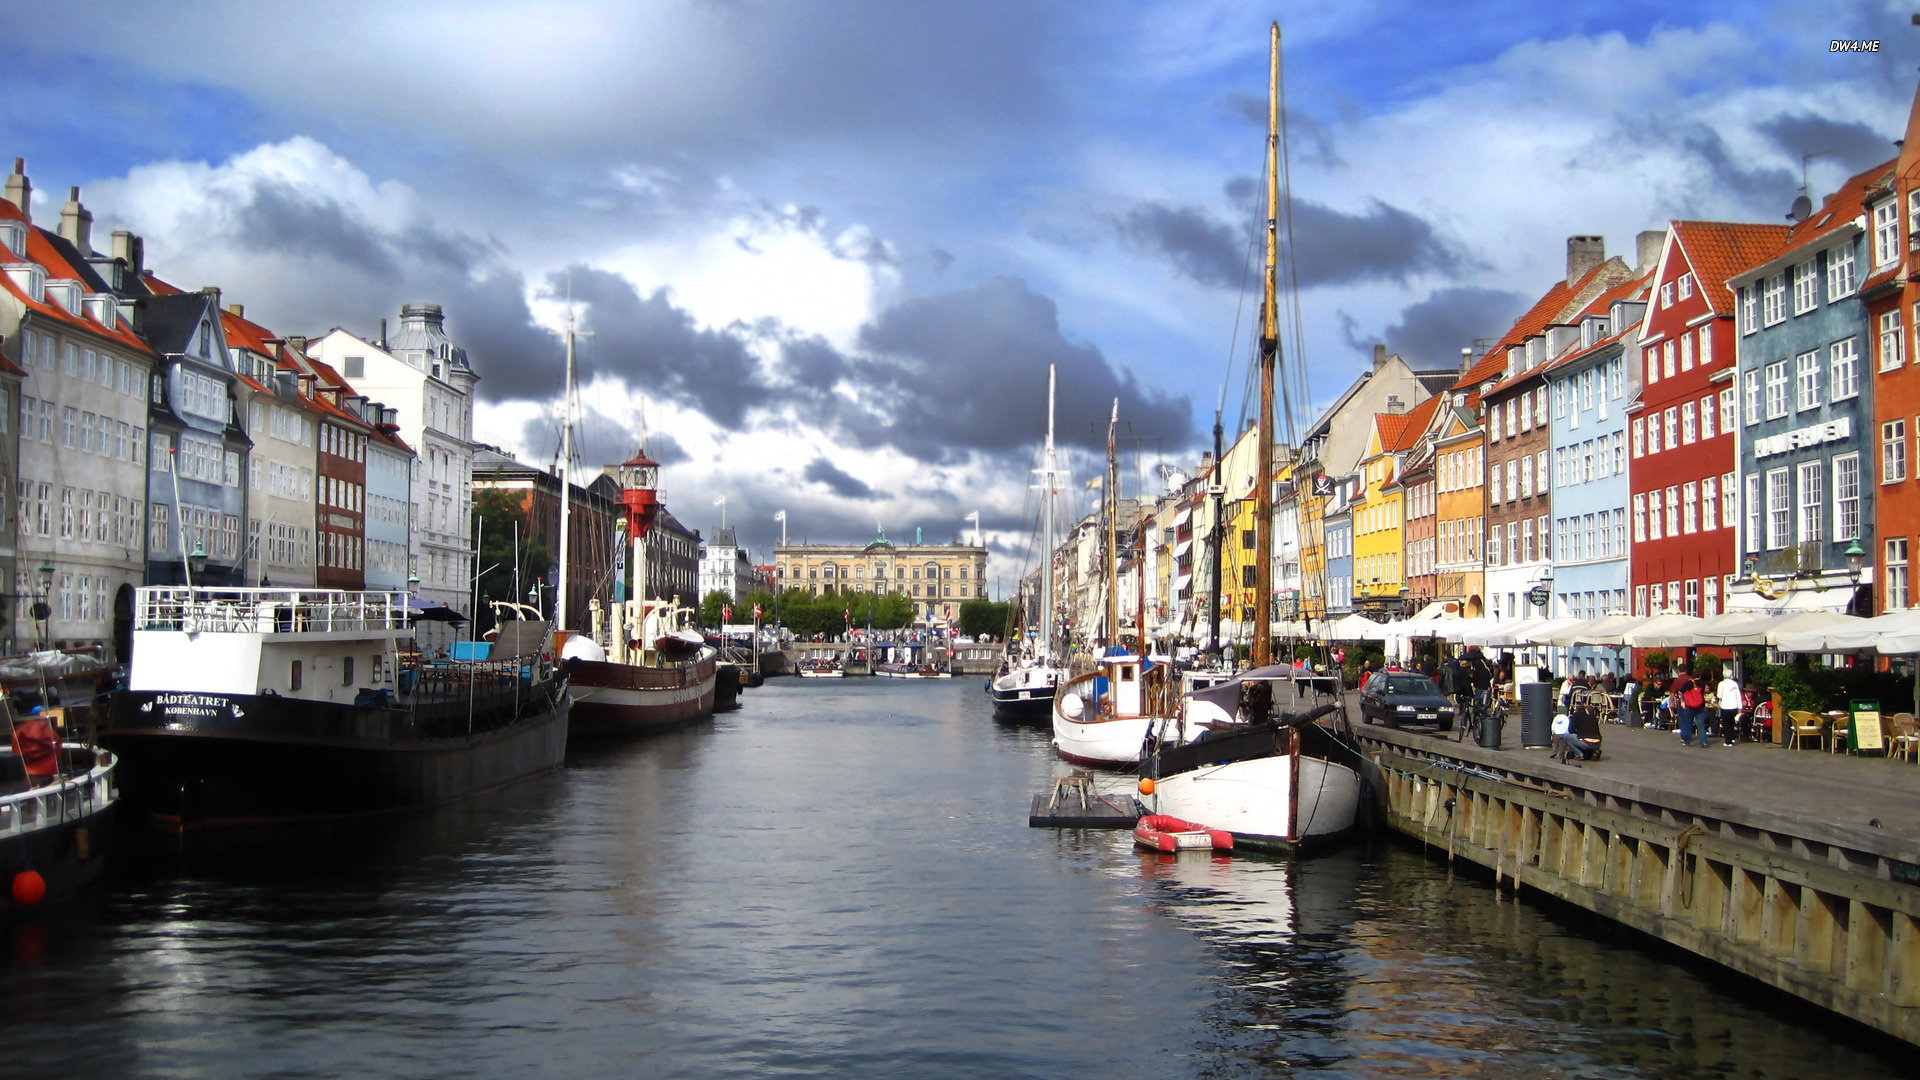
x=838 y=880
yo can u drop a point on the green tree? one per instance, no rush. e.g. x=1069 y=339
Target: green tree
x=710 y=613
x=981 y=617
x=499 y=513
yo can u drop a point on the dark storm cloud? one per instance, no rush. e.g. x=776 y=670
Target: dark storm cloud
x=1431 y=333
x=1197 y=245
x=968 y=370
x=653 y=346
x=665 y=449
x=822 y=471
x=1853 y=146
x=1310 y=140
x=279 y=217
x=1330 y=247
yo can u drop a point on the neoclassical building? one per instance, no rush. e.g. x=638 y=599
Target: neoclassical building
x=938 y=578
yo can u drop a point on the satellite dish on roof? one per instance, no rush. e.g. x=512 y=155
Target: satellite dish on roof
x=1802 y=208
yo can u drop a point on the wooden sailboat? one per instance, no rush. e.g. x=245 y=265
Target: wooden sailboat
x=1276 y=782
x=1025 y=688
x=644 y=669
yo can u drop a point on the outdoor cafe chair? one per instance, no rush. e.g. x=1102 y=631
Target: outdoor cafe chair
x=1906 y=735
x=1806 y=726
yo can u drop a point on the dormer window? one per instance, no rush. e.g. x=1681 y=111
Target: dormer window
x=31 y=279
x=1534 y=347
x=14 y=235
x=1886 y=232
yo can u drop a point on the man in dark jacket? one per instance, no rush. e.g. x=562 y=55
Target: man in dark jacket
x=1480 y=675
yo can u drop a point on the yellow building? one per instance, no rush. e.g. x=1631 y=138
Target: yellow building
x=1379 y=545
x=938 y=578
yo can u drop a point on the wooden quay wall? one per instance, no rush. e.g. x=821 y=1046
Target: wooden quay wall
x=1709 y=850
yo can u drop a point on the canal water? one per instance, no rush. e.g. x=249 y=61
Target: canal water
x=838 y=881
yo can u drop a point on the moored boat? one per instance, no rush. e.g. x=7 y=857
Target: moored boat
x=1024 y=688
x=284 y=706
x=56 y=816
x=1164 y=832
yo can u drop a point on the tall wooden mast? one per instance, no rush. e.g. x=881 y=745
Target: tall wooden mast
x=1113 y=533
x=1269 y=359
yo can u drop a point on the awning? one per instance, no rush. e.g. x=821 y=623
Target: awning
x=1185 y=515
x=1180 y=584
x=1760 y=628
x=1353 y=628
x=1833 y=600
x=1456 y=630
x=1500 y=633
x=1671 y=630
x=1894 y=634
x=1180 y=549
x=1439 y=609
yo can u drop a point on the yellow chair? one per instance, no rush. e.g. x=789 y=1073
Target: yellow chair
x=1837 y=735
x=1906 y=735
x=1805 y=726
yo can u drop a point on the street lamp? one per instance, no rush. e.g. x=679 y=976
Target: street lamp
x=1856 y=559
x=197 y=560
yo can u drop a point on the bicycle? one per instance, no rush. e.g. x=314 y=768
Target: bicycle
x=1466 y=718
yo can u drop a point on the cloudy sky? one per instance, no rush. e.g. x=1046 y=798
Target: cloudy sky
x=828 y=249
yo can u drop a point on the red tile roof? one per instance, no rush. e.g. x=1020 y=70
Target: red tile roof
x=43 y=253
x=1417 y=422
x=1838 y=208
x=1545 y=311
x=1390 y=426
x=1717 y=250
x=1600 y=306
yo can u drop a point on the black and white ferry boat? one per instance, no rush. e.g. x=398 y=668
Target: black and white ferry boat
x=286 y=706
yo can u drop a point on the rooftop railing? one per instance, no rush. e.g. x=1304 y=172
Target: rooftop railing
x=268 y=611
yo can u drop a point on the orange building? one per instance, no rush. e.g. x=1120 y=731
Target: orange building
x=1892 y=298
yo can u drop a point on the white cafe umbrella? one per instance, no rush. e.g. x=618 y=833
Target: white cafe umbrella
x=1542 y=634
x=1608 y=630
x=1668 y=630
x=1762 y=628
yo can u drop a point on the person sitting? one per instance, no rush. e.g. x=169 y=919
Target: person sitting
x=1576 y=738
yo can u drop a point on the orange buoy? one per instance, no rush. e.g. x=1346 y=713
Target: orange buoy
x=29 y=887
x=1146 y=785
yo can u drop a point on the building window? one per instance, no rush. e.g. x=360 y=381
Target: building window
x=1726 y=411
x=1846 y=497
x=1779 y=508
x=1693 y=597
x=1777 y=390
x=1892 y=341
x=1639 y=519
x=1843 y=370
x=1806 y=381
x=1805 y=295
x=1893 y=451
x=1706 y=417
x=1671 y=420
x=1812 y=500
x=1773 y=299
x=1840 y=273
x=1653 y=364
x=1753 y=511
x=1886 y=233
x=1896 y=593
x=1673 y=511
x=1666 y=359
x=1688 y=431
x=1639 y=438
x=1749 y=310
x=1729 y=501
x=1709 y=504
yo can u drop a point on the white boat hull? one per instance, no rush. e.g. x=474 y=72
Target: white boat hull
x=1108 y=744
x=1252 y=800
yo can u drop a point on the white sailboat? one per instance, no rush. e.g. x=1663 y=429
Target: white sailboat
x=1281 y=782
x=1105 y=716
x=1025 y=689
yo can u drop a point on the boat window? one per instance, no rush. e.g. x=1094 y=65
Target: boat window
x=346 y=671
x=1126 y=672
x=293 y=676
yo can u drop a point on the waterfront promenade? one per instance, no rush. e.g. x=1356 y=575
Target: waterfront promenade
x=1835 y=795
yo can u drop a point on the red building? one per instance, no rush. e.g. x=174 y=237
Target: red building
x=1683 y=464
x=1892 y=298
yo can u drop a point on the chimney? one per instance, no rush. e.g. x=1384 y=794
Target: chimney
x=383 y=334
x=238 y=311
x=297 y=343
x=76 y=223
x=131 y=250
x=1583 y=254
x=1466 y=359
x=1379 y=357
x=1647 y=247
x=1394 y=404
x=20 y=189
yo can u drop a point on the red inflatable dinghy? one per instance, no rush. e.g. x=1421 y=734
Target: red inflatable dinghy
x=1163 y=832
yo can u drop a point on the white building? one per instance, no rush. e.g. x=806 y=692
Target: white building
x=425 y=377
x=726 y=567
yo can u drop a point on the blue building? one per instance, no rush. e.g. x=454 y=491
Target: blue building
x=1339 y=539
x=197 y=461
x=1591 y=385
x=1805 y=393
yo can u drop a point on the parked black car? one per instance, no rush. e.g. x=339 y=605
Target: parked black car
x=1394 y=698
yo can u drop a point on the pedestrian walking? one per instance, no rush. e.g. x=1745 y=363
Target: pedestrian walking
x=1730 y=702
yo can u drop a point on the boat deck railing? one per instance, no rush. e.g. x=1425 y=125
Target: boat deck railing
x=69 y=798
x=268 y=611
